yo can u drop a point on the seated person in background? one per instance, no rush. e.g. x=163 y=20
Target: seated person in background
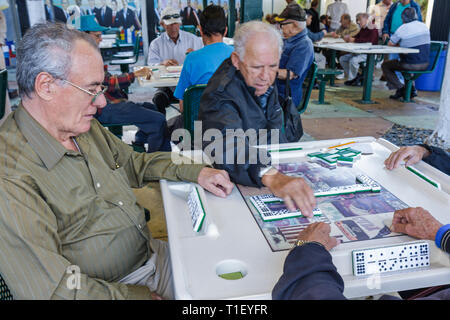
x=298 y=52
x=434 y=156
x=241 y=96
x=314 y=36
x=152 y=126
x=200 y=65
x=319 y=58
x=325 y=23
x=67 y=207
x=411 y=34
x=347 y=28
x=170 y=49
x=309 y=272
x=350 y=61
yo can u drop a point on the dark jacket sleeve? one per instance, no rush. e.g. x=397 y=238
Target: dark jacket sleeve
x=309 y=274
x=439 y=158
x=231 y=155
x=388 y=20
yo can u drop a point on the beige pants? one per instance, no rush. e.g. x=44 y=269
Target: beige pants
x=7 y=103
x=156 y=273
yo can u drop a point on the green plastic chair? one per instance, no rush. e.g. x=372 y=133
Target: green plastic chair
x=124 y=60
x=191 y=106
x=3 y=88
x=188 y=28
x=410 y=76
x=308 y=85
x=5 y=294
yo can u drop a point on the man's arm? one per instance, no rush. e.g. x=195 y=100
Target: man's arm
x=309 y=273
x=33 y=266
x=154 y=57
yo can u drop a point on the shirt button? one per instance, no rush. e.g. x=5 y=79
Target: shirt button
x=140 y=226
x=120 y=203
x=98 y=185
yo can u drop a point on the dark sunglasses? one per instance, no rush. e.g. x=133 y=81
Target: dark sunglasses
x=285 y=23
x=173 y=16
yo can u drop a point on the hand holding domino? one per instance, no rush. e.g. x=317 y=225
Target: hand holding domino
x=410 y=155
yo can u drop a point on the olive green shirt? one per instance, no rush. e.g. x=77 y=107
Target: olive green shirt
x=351 y=31
x=60 y=208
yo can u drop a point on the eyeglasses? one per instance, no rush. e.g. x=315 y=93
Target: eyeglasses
x=171 y=16
x=93 y=94
x=285 y=23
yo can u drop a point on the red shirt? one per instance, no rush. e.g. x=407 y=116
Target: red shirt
x=367 y=35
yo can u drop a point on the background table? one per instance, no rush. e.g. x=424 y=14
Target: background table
x=370 y=50
x=156 y=81
x=231 y=240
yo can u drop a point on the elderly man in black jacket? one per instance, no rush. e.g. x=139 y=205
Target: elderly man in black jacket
x=241 y=98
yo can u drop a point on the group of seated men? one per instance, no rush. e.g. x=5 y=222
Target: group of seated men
x=67 y=204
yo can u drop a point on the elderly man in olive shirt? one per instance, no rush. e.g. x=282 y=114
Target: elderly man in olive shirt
x=70 y=225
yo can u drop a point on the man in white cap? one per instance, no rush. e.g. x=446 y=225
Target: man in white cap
x=170 y=49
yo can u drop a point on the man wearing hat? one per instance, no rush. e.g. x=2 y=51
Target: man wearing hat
x=151 y=123
x=298 y=51
x=170 y=49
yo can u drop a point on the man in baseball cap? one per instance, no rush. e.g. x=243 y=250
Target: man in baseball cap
x=170 y=49
x=298 y=51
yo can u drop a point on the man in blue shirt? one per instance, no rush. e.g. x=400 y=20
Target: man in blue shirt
x=393 y=18
x=200 y=65
x=411 y=34
x=298 y=52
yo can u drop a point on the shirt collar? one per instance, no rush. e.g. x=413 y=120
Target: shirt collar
x=299 y=35
x=46 y=147
x=170 y=40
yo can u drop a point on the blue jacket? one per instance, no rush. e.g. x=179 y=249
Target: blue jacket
x=390 y=14
x=297 y=56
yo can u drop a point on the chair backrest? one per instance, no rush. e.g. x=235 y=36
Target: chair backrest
x=191 y=105
x=3 y=88
x=308 y=87
x=5 y=294
x=137 y=46
x=437 y=46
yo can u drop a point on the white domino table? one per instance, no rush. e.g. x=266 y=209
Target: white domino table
x=231 y=241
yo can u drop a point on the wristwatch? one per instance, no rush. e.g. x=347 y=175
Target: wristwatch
x=300 y=243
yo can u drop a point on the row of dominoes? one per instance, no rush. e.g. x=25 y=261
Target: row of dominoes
x=406 y=256
x=343 y=190
x=367 y=180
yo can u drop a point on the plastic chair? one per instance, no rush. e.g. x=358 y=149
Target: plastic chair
x=308 y=87
x=125 y=61
x=410 y=76
x=3 y=89
x=5 y=294
x=188 y=28
x=191 y=106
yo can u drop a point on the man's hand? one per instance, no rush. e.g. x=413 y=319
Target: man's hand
x=410 y=155
x=294 y=191
x=215 y=181
x=189 y=50
x=415 y=222
x=144 y=72
x=348 y=38
x=384 y=37
x=170 y=62
x=319 y=232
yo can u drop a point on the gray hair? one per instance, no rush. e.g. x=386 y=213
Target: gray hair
x=362 y=14
x=301 y=24
x=46 y=47
x=250 y=29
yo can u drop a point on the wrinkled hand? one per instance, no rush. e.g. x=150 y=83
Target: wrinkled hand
x=144 y=72
x=215 y=181
x=170 y=62
x=294 y=191
x=410 y=155
x=415 y=222
x=319 y=232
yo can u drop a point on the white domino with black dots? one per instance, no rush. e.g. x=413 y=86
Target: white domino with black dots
x=407 y=256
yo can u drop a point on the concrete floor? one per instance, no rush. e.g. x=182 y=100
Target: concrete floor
x=342 y=118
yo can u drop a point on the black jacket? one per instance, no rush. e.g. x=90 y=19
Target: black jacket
x=228 y=103
x=440 y=159
x=106 y=20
